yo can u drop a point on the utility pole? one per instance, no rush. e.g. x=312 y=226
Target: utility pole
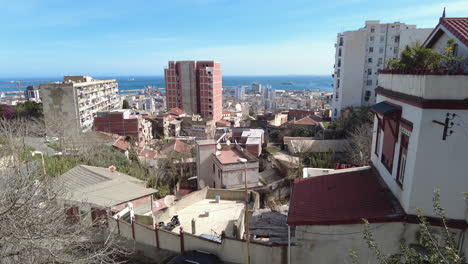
x=246 y=218
x=447 y=124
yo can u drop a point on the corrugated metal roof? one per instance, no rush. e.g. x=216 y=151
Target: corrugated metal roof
x=343 y=198
x=336 y=145
x=102 y=187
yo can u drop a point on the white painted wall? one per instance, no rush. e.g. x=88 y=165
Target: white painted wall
x=432 y=163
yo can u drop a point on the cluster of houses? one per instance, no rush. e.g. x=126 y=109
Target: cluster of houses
x=419 y=145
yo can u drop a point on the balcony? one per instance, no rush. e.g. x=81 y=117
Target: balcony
x=442 y=87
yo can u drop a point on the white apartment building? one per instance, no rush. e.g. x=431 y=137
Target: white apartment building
x=361 y=53
x=70 y=106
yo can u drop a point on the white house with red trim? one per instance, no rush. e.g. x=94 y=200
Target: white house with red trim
x=420 y=143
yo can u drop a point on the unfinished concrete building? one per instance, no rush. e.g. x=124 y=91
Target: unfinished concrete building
x=70 y=106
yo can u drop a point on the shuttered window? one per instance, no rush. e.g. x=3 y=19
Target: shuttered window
x=390 y=126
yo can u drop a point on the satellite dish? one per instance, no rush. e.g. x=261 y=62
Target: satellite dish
x=217 y=153
x=169 y=200
x=228 y=142
x=219 y=146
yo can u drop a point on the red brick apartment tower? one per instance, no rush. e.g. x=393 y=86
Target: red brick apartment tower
x=195 y=87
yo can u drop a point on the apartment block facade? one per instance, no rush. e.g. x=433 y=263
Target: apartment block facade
x=360 y=54
x=195 y=87
x=70 y=106
x=124 y=123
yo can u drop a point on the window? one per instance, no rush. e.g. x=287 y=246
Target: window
x=402 y=158
x=341 y=41
x=334 y=112
x=455 y=49
x=339 y=62
x=371 y=38
x=338 y=83
x=339 y=52
x=395 y=51
x=382 y=39
x=210 y=106
x=381 y=50
x=367 y=96
x=379 y=61
x=213 y=168
x=338 y=73
x=372 y=29
x=371 y=49
x=369 y=60
x=377 y=138
x=397 y=39
x=336 y=96
x=369 y=71
x=369 y=82
x=390 y=126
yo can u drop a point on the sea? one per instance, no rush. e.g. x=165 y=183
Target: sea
x=287 y=82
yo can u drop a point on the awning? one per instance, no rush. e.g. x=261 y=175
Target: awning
x=385 y=108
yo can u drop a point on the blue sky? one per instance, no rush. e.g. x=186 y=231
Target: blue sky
x=249 y=37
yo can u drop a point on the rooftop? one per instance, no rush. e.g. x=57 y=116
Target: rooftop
x=221 y=216
x=306 y=121
x=323 y=145
x=100 y=186
x=458 y=26
x=330 y=200
x=231 y=155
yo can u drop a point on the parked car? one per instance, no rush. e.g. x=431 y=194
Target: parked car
x=195 y=257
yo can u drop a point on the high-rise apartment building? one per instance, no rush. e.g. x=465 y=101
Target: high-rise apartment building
x=195 y=87
x=361 y=53
x=70 y=106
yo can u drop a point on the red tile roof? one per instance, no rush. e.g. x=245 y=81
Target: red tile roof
x=458 y=26
x=223 y=123
x=121 y=144
x=307 y=121
x=176 y=111
x=343 y=198
x=182 y=147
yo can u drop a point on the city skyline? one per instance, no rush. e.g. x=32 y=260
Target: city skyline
x=50 y=38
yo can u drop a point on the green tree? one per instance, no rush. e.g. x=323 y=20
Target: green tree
x=29 y=109
x=432 y=250
x=418 y=57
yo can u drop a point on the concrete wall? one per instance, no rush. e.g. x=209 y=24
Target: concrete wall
x=321 y=242
x=60 y=109
x=452 y=87
x=230 y=250
x=185 y=201
x=125 y=229
x=232 y=175
x=205 y=150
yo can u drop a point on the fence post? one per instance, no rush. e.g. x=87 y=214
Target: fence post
x=133 y=228
x=118 y=225
x=156 y=235
x=182 y=250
